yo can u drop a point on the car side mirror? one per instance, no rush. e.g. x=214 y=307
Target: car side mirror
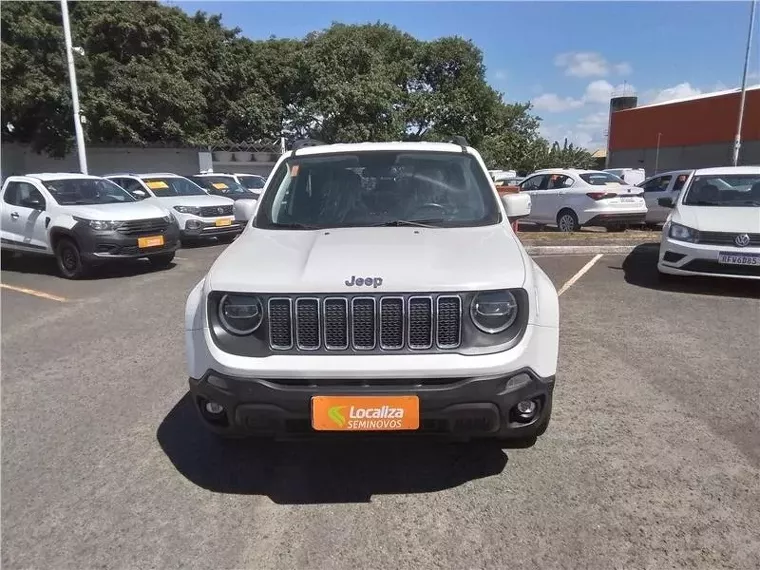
x=516 y=205
x=34 y=203
x=139 y=194
x=666 y=202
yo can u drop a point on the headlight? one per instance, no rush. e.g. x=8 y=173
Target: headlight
x=493 y=311
x=188 y=209
x=240 y=314
x=682 y=233
x=100 y=225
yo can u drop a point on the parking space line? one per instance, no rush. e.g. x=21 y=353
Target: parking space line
x=33 y=292
x=581 y=272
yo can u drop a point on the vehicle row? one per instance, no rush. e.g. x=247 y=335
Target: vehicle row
x=84 y=221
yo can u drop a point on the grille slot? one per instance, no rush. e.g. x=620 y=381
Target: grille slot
x=420 y=322
x=363 y=323
x=280 y=324
x=448 y=322
x=336 y=323
x=391 y=323
x=307 y=324
x=214 y=211
x=139 y=227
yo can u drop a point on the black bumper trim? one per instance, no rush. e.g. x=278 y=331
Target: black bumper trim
x=473 y=406
x=614 y=219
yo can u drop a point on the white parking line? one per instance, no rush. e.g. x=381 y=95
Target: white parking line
x=34 y=292
x=581 y=273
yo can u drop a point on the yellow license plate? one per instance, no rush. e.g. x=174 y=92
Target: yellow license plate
x=150 y=241
x=226 y=222
x=365 y=413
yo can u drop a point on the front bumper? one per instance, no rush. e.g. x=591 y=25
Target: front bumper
x=97 y=246
x=208 y=228
x=684 y=258
x=616 y=219
x=468 y=407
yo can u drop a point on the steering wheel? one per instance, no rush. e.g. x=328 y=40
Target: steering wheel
x=433 y=206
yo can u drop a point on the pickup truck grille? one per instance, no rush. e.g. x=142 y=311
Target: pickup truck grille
x=215 y=211
x=365 y=323
x=726 y=238
x=143 y=227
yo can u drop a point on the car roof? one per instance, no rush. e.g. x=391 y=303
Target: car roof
x=44 y=176
x=378 y=146
x=728 y=170
x=247 y=174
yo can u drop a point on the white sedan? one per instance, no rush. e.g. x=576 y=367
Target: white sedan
x=714 y=228
x=570 y=198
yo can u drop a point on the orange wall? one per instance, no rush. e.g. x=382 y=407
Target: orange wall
x=702 y=121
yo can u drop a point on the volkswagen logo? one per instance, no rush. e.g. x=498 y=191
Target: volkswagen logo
x=742 y=240
x=221 y=211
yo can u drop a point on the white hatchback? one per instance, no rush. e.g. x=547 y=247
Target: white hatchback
x=714 y=228
x=571 y=198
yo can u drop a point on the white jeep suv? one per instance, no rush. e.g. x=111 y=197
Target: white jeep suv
x=379 y=287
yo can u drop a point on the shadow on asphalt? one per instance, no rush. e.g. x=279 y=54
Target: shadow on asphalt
x=640 y=268
x=39 y=265
x=310 y=472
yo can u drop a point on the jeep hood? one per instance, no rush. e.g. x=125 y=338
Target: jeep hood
x=406 y=259
x=719 y=219
x=126 y=211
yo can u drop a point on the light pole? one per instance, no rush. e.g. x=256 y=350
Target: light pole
x=74 y=91
x=738 y=138
x=657 y=154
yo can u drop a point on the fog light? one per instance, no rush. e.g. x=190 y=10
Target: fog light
x=526 y=409
x=214 y=408
x=193 y=224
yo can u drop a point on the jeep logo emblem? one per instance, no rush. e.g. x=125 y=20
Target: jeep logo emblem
x=373 y=282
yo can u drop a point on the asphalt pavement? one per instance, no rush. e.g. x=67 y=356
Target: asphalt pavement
x=652 y=459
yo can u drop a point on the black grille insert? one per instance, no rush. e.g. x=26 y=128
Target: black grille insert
x=280 y=327
x=449 y=315
x=420 y=322
x=336 y=324
x=391 y=323
x=143 y=227
x=214 y=211
x=726 y=238
x=363 y=323
x=307 y=324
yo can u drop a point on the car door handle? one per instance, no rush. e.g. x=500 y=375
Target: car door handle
x=14 y=216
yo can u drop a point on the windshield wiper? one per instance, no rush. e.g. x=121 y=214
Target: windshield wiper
x=749 y=202
x=412 y=223
x=703 y=203
x=297 y=226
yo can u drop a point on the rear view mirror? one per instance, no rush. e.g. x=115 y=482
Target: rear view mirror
x=139 y=194
x=665 y=202
x=516 y=205
x=33 y=202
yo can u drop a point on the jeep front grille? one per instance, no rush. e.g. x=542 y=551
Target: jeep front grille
x=365 y=323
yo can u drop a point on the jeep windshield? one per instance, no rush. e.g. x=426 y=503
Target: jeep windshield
x=170 y=186
x=737 y=190
x=376 y=188
x=86 y=192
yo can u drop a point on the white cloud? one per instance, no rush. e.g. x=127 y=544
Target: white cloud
x=553 y=103
x=676 y=92
x=500 y=75
x=623 y=68
x=597 y=92
x=589 y=64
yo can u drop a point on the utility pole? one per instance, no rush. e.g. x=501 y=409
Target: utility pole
x=738 y=138
x=74 y=91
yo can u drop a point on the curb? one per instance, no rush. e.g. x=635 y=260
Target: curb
x=586 y=249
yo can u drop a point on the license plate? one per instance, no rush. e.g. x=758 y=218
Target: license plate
x=225 y=222
x=150 y=241
x=739 y=258
x=365 y=413
x=627 y=199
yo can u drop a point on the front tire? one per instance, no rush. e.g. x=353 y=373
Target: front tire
x=69 y=260
x=162 y=260
x=567 y=221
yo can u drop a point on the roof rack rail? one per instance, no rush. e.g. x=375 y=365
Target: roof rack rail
x=461 y=141
x=303 y=143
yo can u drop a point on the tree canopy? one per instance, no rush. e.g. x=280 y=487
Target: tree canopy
x=152 y=74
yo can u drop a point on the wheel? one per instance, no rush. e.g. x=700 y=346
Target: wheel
x=162 y=259
x=567 y=221
x=69 y=260
x=226 y=238
x=616 y=228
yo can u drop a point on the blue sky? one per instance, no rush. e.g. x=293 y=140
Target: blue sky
x=566 y=58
